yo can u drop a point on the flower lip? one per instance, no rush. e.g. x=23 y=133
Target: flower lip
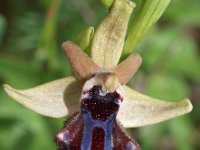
x=100 y=106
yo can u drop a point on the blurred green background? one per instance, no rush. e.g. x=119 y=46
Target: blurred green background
x=31 y=33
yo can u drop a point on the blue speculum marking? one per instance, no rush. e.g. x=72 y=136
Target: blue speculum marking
x=99 y=111
x=96 y=128
x=89 y=126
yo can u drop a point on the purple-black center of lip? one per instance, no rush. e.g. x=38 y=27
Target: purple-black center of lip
x=96 y=128
x=99 y=112
x=101 y=106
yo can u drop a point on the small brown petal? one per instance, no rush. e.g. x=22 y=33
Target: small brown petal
x=126 y=69
x=83 y=66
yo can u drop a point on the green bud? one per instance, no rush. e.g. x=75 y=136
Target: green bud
x=84 y=39
x=149 y=13
x=107 y=3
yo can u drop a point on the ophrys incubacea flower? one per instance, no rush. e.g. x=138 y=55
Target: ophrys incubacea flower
x=99 y=94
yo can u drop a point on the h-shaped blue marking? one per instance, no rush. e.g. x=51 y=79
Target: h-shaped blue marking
x=90 y=123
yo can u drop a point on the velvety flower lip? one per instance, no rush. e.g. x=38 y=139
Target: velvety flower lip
x=60 y=98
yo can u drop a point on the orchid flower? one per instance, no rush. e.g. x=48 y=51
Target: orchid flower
x=97 y=98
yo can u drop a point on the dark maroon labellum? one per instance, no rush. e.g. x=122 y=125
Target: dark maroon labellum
x=96 y=128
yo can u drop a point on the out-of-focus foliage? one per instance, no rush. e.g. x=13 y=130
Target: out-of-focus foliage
x=31 y=33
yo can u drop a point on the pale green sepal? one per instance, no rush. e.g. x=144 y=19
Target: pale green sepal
x=54 y=99
x=107 y=3
x=84 y=39
x=109 y=37
x=140 y=110
x=149 y=13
